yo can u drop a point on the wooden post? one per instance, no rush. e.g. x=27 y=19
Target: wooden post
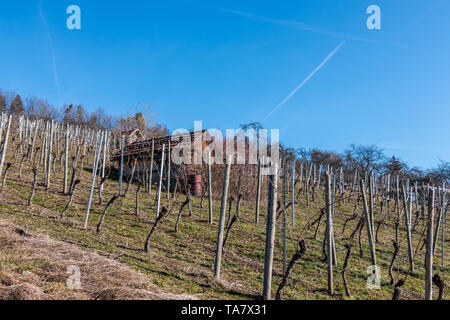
x=371 y=202
x=388 y=196
x=301 y=172
x=94 y=174
x=1 y=126
x=66 y=160
x=223 y=208
x=293 y=191
x=210 y=189
x=397 y=185
x=258 y=191
x=44 y=138
x=284 y=167
x=354 y=181
x=49 y=163
x=408 y=213
x=333 y=203
x=5 y=145
x=423 y=202
x=429 y=253
x=416 y=195
x=151 y=166
x=369 y=228
x=308 y=179
x=270 y=231
x=158 y=205
x=320 y=175
x=329 y=234
x=169 y=159
x=104 y=159
x=439 y=219
x=443 y=224
x=122 y=147
x=36 y=128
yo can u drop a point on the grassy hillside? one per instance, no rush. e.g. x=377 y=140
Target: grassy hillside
x=182 y=262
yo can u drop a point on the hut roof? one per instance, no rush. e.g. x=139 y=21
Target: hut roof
x=143 y=149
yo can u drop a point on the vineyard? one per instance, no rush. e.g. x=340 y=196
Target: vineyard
x=306 y=232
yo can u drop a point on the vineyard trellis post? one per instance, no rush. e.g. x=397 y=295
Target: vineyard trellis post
x=443 y=224
x=210 y=208
x=408 y=213
x=397 y=200
x=36 y=128
x=66 y=160
x=258 y=190
x=158 y=204
x=270 y=231
x=369 y=227
x=151 y=167
x=223 y=208
x=49 y=159
x=284 y=168
x=329 y=235
x=388 y=191
x=5 y=145
x=439 y=218
x=2 y=124
x=429 y=252
x=169 y=159
x=102 y=176
x=122 y=148
x=371 y=186
x=98 y=148
x=293 y=191
x=333 y=203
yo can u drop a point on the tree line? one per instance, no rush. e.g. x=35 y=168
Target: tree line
x=363 y=158
x=77 y=115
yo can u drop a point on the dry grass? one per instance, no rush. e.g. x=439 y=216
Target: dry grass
x=180 y=264
x=33 y=267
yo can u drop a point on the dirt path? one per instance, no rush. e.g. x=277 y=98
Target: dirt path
x=35 y=267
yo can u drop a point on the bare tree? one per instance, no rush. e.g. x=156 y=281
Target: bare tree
x=364 y=157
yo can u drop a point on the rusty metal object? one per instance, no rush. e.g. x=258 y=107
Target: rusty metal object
x=195 y=181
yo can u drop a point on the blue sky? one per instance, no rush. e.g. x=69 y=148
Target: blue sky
x=232 y=62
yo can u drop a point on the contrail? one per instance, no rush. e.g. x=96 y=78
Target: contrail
x=298 y=25
x=424 y=14
x=282 y=103
x=50 y=41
